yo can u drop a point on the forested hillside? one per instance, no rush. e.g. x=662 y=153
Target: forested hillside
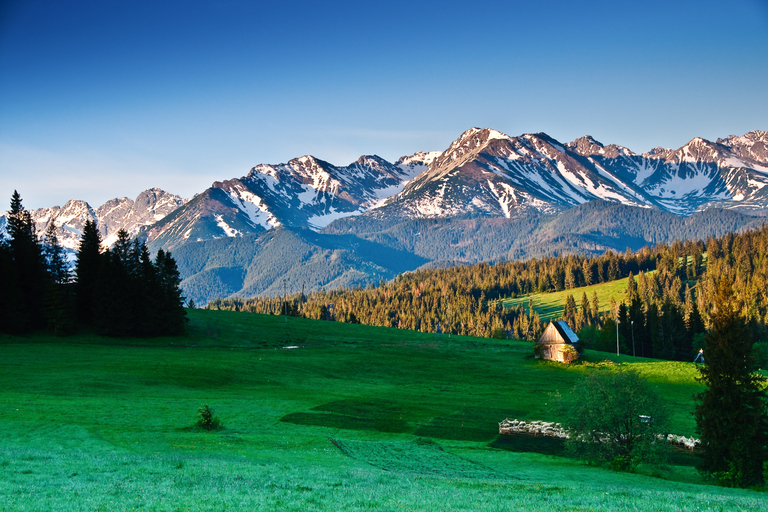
x=361 y=251
x=663 y=313
x=460 y=299
x=281 y=259
x=590 y=229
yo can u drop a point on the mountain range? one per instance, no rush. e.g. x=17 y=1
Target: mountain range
x=487 y=196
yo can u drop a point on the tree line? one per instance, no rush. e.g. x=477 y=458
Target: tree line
x=664 y=313
x=118 y=291
x=460 y=300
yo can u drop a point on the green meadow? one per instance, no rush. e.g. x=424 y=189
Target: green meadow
x=550 y=305
x=317 y=416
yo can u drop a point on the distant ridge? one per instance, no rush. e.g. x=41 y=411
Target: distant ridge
x=483 y=172
x=309 y=224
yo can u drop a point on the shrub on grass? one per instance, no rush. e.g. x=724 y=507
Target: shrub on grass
x=206 y=420
x=615 y=417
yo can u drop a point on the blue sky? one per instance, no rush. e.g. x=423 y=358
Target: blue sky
x=100 y=99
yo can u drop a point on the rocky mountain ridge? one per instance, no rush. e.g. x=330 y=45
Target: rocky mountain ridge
x=483 y=172
x=490 y=173
x=304 y=193
x=149 y=207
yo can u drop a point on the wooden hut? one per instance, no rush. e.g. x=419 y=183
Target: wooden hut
x=558 y=343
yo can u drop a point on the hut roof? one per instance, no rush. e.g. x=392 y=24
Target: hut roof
x=565 y=331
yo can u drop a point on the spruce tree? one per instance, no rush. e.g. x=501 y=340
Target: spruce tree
x=87 y=268
x=731 y=413
x=171 y=299
x=58 y=300
x=569 y=312
x=10 y=284
x=26 y=287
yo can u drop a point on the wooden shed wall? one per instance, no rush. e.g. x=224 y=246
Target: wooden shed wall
x=550 y=336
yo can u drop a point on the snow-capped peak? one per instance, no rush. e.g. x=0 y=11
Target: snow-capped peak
x=480 y=136
x=419 y=157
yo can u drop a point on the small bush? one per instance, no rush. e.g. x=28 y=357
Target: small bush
x=206 y=420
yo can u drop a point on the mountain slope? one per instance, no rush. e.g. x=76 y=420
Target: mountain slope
x=268 y=263
x=363 y=250
x=589 y=228
x=489 y=173
x=483 y=172
x=305 y=193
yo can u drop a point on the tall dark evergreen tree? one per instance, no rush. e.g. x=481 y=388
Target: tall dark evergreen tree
x=87 y=268
x=55 y=259
x=731 y=413
x=27 y=268
x=9 y=282
x=569 y=312
x=58 y=306
x=171 y=299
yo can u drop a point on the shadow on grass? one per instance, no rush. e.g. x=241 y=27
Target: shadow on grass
x=527 y=443
x=341 y=421
x=471 y=424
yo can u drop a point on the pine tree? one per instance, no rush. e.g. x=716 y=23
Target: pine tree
x=87 y=268
x=58 y=267
x=586 y=314
x=731 y=413
x=569 y=312
x=26 y=287
x=58 y=301
x=10 y=283
x=112 y=310
x=171 y=299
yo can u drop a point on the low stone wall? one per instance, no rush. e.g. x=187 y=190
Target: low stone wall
x=536 y=428
x=550 y=429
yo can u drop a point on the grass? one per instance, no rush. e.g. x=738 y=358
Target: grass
x=550 y=305
x=354 y=418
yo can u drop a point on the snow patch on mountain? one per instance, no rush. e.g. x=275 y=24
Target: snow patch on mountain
x=253 y=206
x=228 y=230
x=733 y=161
x=317 y=222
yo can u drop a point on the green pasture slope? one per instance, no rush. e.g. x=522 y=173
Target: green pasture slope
x=354 y=418
x=550 y=305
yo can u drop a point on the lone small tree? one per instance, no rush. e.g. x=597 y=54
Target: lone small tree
x=615 y=417
x=206 y=420
x=731 y=412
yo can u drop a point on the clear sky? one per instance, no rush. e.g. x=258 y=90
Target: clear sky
x=103 y=99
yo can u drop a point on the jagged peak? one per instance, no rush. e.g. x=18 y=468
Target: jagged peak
x=481 y=136
x=156 y=191
x=307 y=160
x=698 y=141
x=370 y=160
x=586 y=145
x=748 y=139
x=419 y=158
x=658 y=150
x=587 y=139
x=75 y=203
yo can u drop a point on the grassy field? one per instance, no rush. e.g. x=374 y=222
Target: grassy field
x=550 y=305
x=352 y=418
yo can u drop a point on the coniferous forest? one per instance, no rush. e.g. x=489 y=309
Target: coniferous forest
x=117 y=291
